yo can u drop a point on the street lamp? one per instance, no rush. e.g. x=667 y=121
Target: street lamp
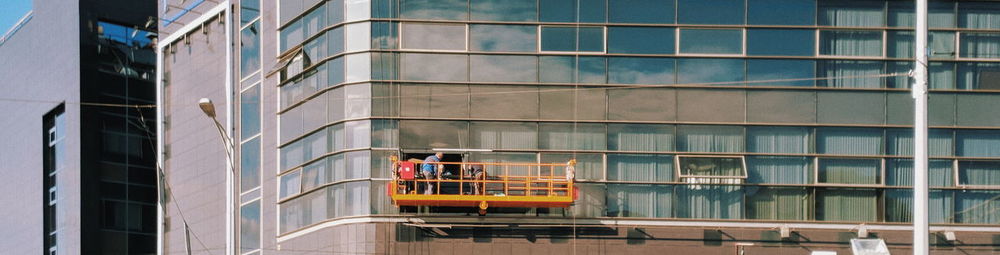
x=209 y=109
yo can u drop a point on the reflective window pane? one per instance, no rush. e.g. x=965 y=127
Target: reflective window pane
x=781 y=12
x=710 y=138
x=558 y=103
x=250 y=227
x=433 y=134
x=502 y=38
x=250 y=164
x=562 y=69
x=426 y=67
x=504 y=135
x=504 y=10
x=435 y=9
x=505 y=102
x=728 y=72
x=641 y=11
x=249 y=10
x=591 y=11
x=584 y=39
x=850 y=43
x=502 y=68
x=624 y=70
x=710 y=11
x=249 y=50
x=651 y=104
x=434 y=100
x=774 y=69
x=781 y=42
x=250 y=112
x=433 y=36
x=569 y=136
x=641 y=168
x=711 y=41
x=856 y=205
x=655 y=40
x=849 y=73
x=290 y=185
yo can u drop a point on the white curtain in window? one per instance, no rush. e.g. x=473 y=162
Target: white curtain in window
x=978 y=15
x=851 y=141
x=643 y=168
x=709 y=202
x=900 y=142
x=977 y=143
x=849 y=171
x=847 y=205
x=978 y=207
x=501 y=135
x=777 y=203
x=899 y=172
x=979 y=173
x=850 y=74
x=942 y=75
x=850 y=43
x=565 y=136
x=779 y=170
x=640 y=137
x=710 y=138
x=851 y=13
x=980 y=45
x=778 y=139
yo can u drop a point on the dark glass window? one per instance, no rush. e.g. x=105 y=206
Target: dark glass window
x=641 y=40
x=249 y=10
x=249 y=50
x=774 y=69
x=502 y=38
x=978 y=76
x=711 y=41
x=710 y=11
x=583 y=39
x=641 y=11
x=781 y=12
x=707 y=70
x=623 y=70
x=504 y=10
x=781 y=42
x=501 y=68
x=939 y=13
x=590 y=11
x=435 y=9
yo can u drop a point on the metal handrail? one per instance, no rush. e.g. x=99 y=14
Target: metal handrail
x=550 y=183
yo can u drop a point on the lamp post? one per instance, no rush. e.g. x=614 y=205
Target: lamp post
x=209 y=109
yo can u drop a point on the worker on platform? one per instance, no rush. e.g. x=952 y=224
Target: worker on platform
x=432 y=169
x=478 y=172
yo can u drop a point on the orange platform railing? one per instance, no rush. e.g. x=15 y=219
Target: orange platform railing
x=501 y=185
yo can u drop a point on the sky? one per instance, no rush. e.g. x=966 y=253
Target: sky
x=11 y=11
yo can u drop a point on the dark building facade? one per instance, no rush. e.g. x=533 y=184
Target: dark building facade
x=770 y=127
x=80 y=128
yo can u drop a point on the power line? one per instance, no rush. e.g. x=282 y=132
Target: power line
x=79 y=103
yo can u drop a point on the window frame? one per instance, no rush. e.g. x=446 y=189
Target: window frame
x=880 y=180
x=681 y=177
x=604 y=40
x=743 y=42
x=402 y=42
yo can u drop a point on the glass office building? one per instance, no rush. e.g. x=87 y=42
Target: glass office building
x=712 y=111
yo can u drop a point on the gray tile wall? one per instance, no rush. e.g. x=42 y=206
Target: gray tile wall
x=39 y=65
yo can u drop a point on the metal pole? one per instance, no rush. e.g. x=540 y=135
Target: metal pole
x=920 y=226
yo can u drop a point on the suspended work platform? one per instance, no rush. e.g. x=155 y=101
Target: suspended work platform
x=484 y=185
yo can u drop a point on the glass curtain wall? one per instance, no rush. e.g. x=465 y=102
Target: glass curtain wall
x=780 y=110
x=250 y=127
